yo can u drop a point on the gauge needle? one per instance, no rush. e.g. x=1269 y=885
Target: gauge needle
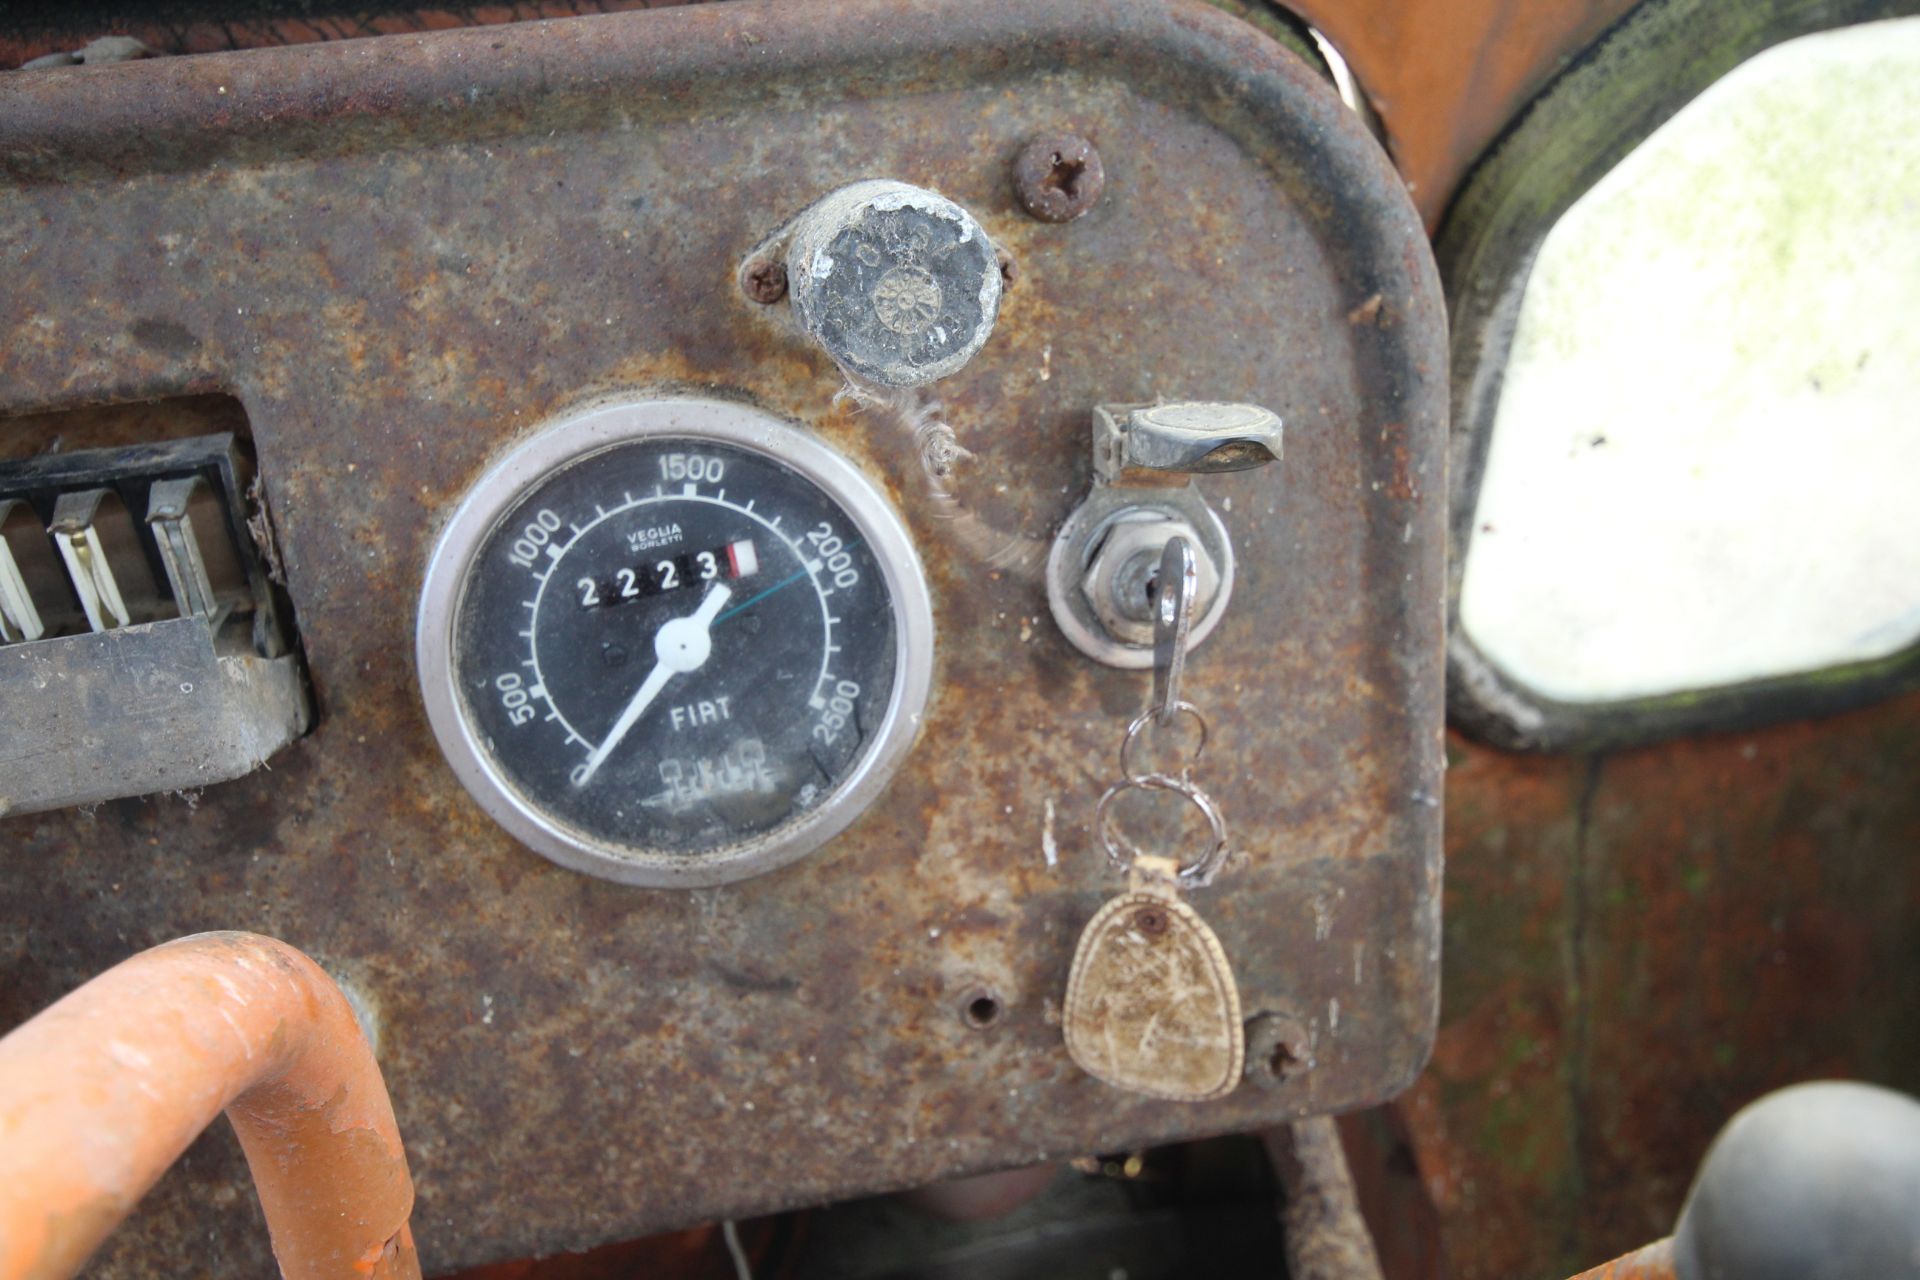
x=681 y=644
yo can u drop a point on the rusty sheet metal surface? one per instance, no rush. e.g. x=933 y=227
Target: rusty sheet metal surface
x=216 y=26
x=1445 y=76
x=402 y=254
x=1637 y=945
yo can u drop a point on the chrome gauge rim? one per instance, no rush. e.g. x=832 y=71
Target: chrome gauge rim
x=577 y=439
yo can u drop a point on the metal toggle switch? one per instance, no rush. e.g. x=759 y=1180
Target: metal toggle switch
x=122 y=684
x=1194 y=437
x=1101 y=574
x=190 y=527
x=109 y=571
x=34 y=596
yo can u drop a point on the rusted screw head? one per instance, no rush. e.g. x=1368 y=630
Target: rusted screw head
x=1278 y=1050
x=765 y=280
x=1058 y=178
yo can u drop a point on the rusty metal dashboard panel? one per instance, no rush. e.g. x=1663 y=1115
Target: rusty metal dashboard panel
x=403 y=256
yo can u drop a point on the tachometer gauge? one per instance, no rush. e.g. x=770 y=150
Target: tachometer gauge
x=675 y=642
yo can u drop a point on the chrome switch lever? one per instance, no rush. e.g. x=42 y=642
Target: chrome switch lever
x=1191 y=437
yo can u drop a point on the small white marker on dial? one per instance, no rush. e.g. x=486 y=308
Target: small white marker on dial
x=746 y=561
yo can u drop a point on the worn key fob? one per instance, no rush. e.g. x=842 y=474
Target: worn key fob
x=1151 y=1002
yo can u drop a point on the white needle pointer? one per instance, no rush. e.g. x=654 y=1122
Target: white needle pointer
x=681 y=645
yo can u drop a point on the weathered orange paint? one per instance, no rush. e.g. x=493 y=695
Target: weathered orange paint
x=1445 y=76
x=1655 y=1262
x=104 y=1089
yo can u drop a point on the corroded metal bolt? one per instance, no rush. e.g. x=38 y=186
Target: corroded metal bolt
x=1058 y=178
x=765 y=281
x=1278 y=1049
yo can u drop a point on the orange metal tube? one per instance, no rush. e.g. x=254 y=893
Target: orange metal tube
x=104 y=1090
x=1655 y=1262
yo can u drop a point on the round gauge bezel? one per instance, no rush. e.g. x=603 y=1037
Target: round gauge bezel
x=574 y=439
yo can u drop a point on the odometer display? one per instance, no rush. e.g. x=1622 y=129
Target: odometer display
x=679 y=640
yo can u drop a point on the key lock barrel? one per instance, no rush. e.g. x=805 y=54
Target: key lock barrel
x=1104 y=567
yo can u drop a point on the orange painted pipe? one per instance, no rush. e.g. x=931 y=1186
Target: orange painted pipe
x=1655 y=1262
x=105 y=1089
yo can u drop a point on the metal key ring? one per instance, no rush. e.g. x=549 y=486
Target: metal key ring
x=1158 y=715
x=1191 y=875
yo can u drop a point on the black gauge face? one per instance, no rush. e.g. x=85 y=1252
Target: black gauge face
x=675 y=648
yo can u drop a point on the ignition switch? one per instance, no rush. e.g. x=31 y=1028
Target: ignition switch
x=1100 y=575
